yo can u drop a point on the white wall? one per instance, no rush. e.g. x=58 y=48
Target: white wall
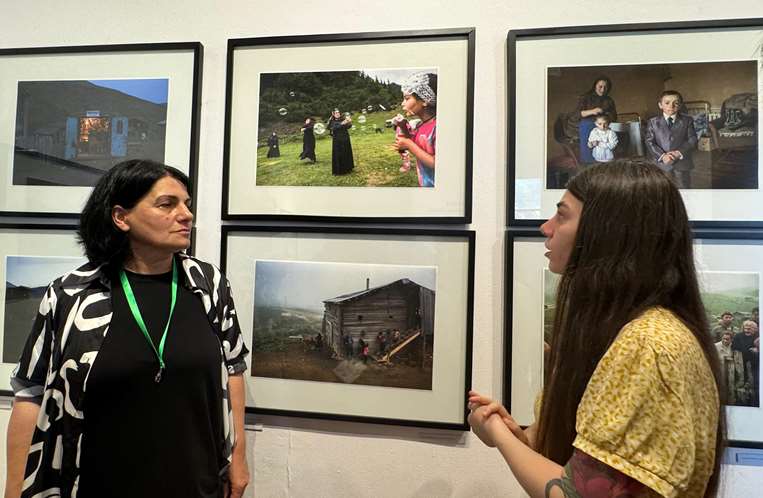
x=301 y=458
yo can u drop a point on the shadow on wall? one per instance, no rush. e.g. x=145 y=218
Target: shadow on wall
x=436 y=487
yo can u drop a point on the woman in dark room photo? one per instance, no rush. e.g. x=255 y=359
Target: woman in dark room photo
x=632 y=403
x=577 y=125
x=131 y=381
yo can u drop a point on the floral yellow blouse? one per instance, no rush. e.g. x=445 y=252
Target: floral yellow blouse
x=650 y=409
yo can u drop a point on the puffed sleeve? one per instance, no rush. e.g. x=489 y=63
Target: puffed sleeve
x=232 y=340
x=28 y=378
x=638 y=415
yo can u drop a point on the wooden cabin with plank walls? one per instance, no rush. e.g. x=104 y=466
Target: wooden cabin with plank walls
x=403 y=305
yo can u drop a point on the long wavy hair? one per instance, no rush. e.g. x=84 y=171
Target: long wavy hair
x=632 y=251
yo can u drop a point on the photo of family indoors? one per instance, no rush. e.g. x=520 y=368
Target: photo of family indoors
x=345 y=323
x=26 y=279
x=68 y=133
x=366 y=128
x=696 y=121
x=731 y=304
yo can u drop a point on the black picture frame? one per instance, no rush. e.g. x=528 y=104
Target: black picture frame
x=716 y=254
x=299 y=208
x=128 y=60
x=35 y=248
x=531 y=207
x=269 y=242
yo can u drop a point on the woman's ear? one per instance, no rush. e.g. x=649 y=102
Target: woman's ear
x=119 y=218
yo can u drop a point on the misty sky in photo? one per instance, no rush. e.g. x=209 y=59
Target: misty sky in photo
x=305 y=285
x=38 y=271
x=396 y=75
x=720 y=282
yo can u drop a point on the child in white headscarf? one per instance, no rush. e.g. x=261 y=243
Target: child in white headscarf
x=420 y=100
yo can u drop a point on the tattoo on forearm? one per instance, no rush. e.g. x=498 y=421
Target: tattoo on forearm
x=585 y=476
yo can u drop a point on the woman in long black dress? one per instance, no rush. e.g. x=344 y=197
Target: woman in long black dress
x=308 y=141
x=273 y=149
x=341 y=149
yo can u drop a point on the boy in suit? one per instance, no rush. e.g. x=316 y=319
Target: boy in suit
x=671 y=139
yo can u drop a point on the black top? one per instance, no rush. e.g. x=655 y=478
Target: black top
x=147 y=439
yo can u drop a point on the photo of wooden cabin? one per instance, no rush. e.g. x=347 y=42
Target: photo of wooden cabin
x=327 y=322
x=402 y=305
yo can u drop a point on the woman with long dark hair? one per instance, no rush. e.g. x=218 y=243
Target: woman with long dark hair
x=632 y=403
x=131 y=381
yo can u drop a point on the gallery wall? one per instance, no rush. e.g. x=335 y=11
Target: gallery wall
x=312 y=458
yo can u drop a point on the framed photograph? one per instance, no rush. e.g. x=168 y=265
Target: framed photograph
x=31 y=256
x=370 y=325
x=371 y=127
x=729 y=266
x=593 y=94
x=71 y=113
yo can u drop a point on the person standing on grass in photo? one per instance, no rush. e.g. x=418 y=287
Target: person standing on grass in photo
x=341 y=149
x=273 y=149
x=671 y=140
x=308 y=141
x=420 y=100
x=632 y=402
x=602 y=140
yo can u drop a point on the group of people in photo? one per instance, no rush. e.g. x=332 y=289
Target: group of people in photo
x=385 y=340
x=739 y=353
x=415 y=133
x=669 y=138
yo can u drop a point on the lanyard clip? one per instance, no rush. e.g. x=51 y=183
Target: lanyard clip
x=158 y=377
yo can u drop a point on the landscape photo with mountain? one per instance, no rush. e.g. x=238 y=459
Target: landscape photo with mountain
x=69 y=133
x=26 y=279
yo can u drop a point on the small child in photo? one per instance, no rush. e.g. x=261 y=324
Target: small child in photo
x=420 y=100
x=602 y=140
x=671 y=140
x=403 y=129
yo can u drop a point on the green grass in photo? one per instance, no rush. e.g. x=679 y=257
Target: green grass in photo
x=376 y=163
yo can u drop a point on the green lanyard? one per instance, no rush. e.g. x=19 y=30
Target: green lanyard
x=139 y=318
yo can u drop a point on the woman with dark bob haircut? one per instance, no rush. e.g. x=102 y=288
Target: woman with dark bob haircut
x=136 y=356
x=632 y=401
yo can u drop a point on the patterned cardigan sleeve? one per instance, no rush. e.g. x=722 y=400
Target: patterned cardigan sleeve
x=28 y=378
x=232 y=340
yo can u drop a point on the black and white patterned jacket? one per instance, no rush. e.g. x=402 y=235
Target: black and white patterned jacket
x=71 y=324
